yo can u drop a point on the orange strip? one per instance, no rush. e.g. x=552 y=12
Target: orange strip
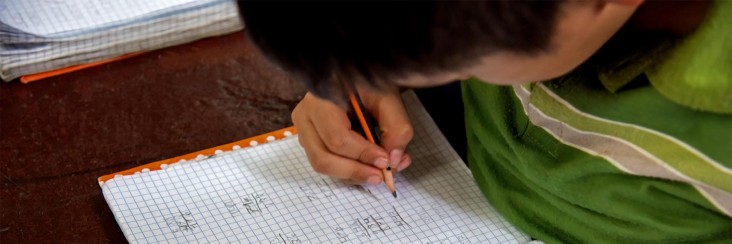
x=43 y=75
x=260 y=139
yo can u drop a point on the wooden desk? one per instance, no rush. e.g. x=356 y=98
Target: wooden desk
x=58 y=135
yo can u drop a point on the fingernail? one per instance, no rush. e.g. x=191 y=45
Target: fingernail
x=374 y=180
x=395 y=156
x=404 y=164
x=381 y=163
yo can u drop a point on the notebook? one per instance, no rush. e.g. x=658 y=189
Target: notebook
x=268 y=193
x=39 y=35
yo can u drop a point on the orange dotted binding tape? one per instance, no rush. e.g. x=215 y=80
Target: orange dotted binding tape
x=252 y=141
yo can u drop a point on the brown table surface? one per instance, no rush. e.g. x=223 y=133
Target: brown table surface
x=58 y=135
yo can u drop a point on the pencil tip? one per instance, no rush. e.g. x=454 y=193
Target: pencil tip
x=394 y=194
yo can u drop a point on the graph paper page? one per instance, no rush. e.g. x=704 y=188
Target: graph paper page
x=269 y=194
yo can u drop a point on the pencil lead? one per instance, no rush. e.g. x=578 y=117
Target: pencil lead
x=394 y=194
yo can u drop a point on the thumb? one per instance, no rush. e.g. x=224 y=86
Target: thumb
x=396 y=128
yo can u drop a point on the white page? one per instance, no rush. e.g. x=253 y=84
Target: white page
x=44 y=17
x=269 y=194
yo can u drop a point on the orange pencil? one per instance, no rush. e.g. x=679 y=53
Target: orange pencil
x=369 y=130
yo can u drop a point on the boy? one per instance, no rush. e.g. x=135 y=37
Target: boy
x=586 y=121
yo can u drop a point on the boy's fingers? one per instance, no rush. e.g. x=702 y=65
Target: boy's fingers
x=334 y=130
x=396 y=128
x=346 y=169
x=396 y=133
x=406 y=161
x=333 y=165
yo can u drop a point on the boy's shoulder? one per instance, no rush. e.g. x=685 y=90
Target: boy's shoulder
x=692 y=71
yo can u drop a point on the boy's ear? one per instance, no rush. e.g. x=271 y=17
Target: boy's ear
x=633 y=3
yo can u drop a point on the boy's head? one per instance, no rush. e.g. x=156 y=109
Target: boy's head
x=428 y=43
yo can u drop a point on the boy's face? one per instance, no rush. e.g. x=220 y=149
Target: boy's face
x=583 y=27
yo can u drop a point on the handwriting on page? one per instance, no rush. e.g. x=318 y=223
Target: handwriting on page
x=253 y=203
x=320 y=190
x=370 y=225
x=364 y=227
x=285 y=239
x=181 y=222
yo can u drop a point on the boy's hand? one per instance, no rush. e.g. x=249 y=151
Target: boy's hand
x=335 y=150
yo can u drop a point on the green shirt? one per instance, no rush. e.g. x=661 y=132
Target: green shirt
x=633 y=147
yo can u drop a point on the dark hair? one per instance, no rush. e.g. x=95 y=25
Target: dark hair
x=322 y=42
